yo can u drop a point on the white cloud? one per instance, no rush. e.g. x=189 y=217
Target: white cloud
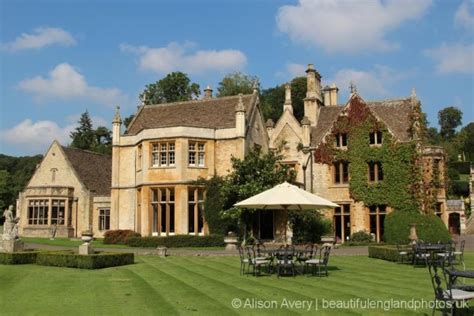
x=65 y=82
x=465 y=15
x=453 y=58
x=41 y=37
x=347 y=26
x=35 y=137
x=296 y=70
x=185 y=58
x=369 y=84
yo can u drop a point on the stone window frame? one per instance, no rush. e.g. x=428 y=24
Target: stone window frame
x=375 y=138
x=38 y=212
x=139 y=156
x=378 y=211
x=196 y=210
x=341 y=140
x=163 y=205
x=340 y=172
x=375 y=171
x=56 y=203
x=196 y=154
x=104 y=219
x=47 y=211
x=163 y=154
x=344 y=210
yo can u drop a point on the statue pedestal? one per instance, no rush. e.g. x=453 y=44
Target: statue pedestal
x=11 y=246
x=86 y=249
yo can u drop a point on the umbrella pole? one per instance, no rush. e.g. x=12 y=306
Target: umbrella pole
x=285 y=216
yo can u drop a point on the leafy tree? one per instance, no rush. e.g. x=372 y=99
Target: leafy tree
x=255 y=173
x=176 y=86
x=466 y=136
x=432 y=136
x=237 y=82
x=449 y=119
x=103 y=140
x=128 y=120
x=272 y=99
x=83 y=137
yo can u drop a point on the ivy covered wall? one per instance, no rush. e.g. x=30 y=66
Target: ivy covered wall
x=399 y=188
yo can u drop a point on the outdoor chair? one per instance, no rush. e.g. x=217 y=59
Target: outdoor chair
x=307 y=253
x=285 y=261
x=443 y=291
x=243 y=261
x=261 y=254
x=447 y=254
x=402 y=253
x=322 y=262
x=420 y=254
x=459 y=255
x=255 y=262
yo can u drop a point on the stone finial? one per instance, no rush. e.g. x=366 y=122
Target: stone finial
x=208 y=93
x=270 y=123
x=287 y=94
x=142 y=98
x=255 y=85
x=352 y=87
x=305 y=121
x=240 y=106
x=310 y=68
x=117 y=119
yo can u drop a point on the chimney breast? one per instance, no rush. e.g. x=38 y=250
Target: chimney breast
x=330 y=94
x=208 y=93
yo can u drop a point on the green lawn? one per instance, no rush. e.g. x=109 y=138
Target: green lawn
x=205 y=286
x=68 y=242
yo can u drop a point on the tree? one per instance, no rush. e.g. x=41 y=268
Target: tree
x=255 y=173
x=237 y=82
x=449 y=119
x=466 y=136
x=83 y=137
x=128 y=120
x=103 y=140
x=432 y=136
x=272 y=99
x=176 y=86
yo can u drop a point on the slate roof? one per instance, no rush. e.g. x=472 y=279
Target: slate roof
x=394 y=113
x=216 y=113
x=94 y=170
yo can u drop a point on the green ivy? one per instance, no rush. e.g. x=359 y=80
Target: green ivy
x=397 y=158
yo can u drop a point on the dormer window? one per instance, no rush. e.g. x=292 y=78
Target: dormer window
x=375 y=138
x=341 y=140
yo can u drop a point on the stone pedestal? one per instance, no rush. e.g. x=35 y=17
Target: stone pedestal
x=11 y=246
x=86 y=249
x=162 y=251
x=231 y=243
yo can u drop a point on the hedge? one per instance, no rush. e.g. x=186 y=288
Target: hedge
x=429 y=228
x=177 y=241
x=119 y=236
x=463 y=167
x=389 y=253
x=24 y=257
x=94 y=261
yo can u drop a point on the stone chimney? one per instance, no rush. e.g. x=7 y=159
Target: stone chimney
x=306 y=124
x=208 y=93
x=116 y=125
x=287 y=106
x=330 y=95
x=240 y=117
x=313 y=99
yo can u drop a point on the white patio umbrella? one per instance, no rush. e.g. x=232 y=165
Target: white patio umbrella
x=285 y=197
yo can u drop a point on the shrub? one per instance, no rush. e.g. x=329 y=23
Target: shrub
x=119 y=236
x=24 y=257
x=94 y=261
x=308 y=226
x=429 y=228
x=389 y=253
x=177 y=241
x=462 y=167
x=361 y=237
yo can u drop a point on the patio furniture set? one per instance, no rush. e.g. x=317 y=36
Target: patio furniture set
x=425 y=253
x=285 y=260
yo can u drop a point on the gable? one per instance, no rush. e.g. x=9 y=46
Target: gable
x=286 y=121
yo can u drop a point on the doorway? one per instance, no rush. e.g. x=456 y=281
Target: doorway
x=454 y=223
x=265 y=223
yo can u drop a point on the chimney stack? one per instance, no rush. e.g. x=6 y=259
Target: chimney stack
x=287 y=105
x=330 y=95
x=313 y=99
x=208 y=93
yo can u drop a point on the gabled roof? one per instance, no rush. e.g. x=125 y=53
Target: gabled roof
x=394 y=113
x=93 y=169
x=216 y=113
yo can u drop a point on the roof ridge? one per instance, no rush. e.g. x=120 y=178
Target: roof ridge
x=388 y=100
x=86 y=151
x=197 y=101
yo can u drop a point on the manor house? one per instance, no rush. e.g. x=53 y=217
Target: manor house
x=148 y=185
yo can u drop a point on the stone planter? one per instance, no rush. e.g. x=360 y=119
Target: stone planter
x=86 y=248
x=162 y=251
x=87 y=237
x=231 y=243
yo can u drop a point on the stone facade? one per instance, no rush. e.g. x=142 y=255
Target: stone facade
x=57 y=194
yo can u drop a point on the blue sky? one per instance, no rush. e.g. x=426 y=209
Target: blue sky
x=59 y=58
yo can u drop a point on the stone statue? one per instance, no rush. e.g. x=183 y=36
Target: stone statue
x=10 y=227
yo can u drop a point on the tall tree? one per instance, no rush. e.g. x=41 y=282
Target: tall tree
x=176 y=86
x=466 y=136
x=128 y=120
x=83 y=137
x=449 y=119
x=237 y=82
x=103 y=140
x=272 y=99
